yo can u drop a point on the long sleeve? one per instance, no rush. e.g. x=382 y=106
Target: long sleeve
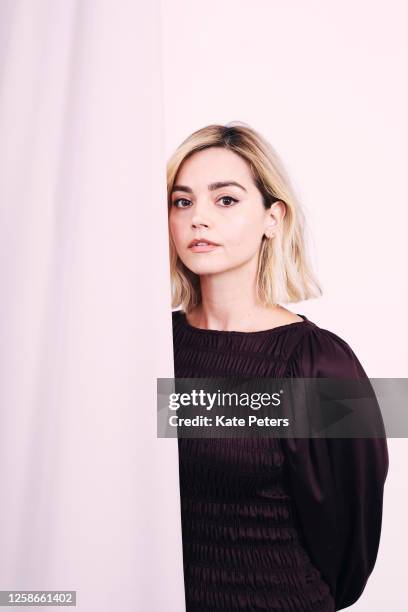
x=337 y=483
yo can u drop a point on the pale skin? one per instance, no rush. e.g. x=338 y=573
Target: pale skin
x=235 y=218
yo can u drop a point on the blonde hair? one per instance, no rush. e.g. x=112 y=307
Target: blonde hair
x=284 y=273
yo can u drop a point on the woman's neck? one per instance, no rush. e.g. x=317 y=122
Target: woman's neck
x=229 y=302
x=239 y=314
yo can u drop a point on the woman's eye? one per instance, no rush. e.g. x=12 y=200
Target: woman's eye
x=230 y=199
x=176 y=202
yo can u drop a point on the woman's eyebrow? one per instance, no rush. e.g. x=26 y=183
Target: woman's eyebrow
x=211 y=186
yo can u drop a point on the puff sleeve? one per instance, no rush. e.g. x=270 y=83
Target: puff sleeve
x=337 y=483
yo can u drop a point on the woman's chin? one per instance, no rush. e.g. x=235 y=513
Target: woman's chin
x=208 y=269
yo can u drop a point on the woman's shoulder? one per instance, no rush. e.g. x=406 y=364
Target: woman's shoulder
x=321 y=352
x=177 y=317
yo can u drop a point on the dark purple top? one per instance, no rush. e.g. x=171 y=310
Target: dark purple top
x=284 y=524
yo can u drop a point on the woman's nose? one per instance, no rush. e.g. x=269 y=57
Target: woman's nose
x=200 y=217
x=196 y=223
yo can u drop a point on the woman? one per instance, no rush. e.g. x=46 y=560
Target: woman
x=268 y=524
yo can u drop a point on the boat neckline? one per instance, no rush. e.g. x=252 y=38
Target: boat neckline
x=225 y=332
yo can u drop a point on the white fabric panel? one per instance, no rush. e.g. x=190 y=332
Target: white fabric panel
x=90 y=497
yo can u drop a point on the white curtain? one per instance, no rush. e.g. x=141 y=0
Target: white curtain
x=89 y=495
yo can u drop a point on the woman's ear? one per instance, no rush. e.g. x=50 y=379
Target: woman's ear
x=274 y=216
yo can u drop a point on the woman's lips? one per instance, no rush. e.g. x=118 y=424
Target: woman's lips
x=205 y=248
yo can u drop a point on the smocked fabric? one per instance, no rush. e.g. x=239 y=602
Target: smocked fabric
x=243 y=512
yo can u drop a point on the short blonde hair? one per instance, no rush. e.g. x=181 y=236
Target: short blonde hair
x=284 y=273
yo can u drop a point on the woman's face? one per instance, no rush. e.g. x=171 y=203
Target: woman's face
x=205 y=207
